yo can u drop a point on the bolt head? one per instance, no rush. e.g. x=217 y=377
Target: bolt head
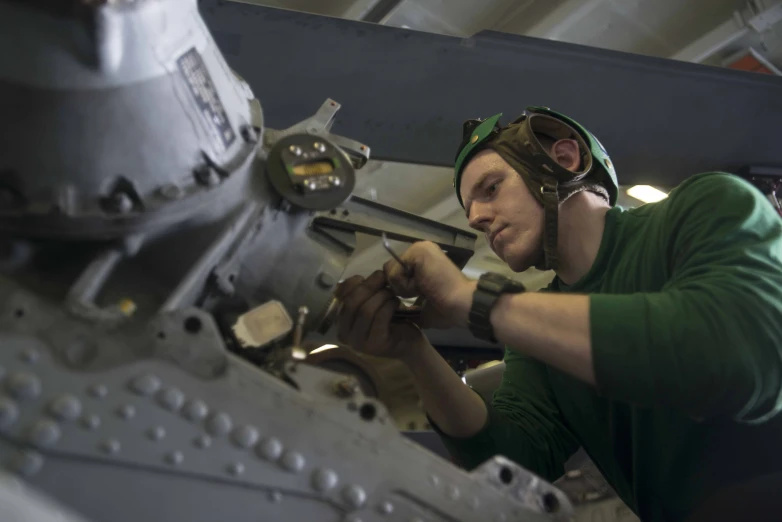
x=121 y=203
x=205 y=175
x=347 y=387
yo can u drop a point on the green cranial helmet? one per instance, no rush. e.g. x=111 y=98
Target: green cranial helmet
x=519 y=144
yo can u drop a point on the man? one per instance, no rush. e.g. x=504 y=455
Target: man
x=657 y=347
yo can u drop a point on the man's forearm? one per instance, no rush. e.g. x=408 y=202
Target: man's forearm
x=454 y=407
x=551 y=328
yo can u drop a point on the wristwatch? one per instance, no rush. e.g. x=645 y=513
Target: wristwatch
x=490 y=287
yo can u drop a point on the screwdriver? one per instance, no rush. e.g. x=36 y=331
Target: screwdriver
x=403 y=314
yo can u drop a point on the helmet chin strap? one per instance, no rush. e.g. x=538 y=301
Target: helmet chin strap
x=550 y=195
x=553 y=195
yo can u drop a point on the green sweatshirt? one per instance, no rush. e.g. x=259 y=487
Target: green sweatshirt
x=686 y=334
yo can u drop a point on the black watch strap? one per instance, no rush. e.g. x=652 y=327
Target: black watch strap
x=490 y=287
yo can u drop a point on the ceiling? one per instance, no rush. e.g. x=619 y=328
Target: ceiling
x=711 y=32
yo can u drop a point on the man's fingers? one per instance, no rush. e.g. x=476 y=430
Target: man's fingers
x=354 y=299
x=347 y=286
x=399 y=281
x=379 y=329
x=365 y=317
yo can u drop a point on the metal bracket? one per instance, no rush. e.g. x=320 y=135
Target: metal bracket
x=369 y=217
x=320 y=124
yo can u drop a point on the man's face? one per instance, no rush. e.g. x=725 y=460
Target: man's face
x=499 y=204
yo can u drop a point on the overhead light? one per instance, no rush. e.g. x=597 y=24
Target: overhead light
x=646 y=193
x=324 y=348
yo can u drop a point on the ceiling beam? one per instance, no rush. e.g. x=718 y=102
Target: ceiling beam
x=554 y=25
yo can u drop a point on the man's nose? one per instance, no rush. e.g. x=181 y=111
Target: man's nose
x=480 y=217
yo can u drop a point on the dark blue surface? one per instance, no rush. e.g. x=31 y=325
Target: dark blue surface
x=406 y=93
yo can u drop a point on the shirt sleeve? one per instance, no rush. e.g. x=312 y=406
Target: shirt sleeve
x=710 y=342
x=524 y=423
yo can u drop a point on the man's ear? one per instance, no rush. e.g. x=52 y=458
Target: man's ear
x=566 y=153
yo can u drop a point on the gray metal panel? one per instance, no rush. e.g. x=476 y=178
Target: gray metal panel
x=406 y=93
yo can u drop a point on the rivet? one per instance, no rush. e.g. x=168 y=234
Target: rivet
x=127 y=411
x=44 y=433
x=435 y=480
x=269 y=448
x=120 y=203
x=65 y=407
x=175 y=458
x=324 y=479
x=354 y=496
x=385 y=508
x=145 y=385
x=156 y=433
x=275 y=496
x=593 y=495
x=202 y=441
x=474 y=138
x=26 y=463
x=219 y=423
x=573 y=474
x=295 y=150
x=171 y=191
x=608 y=163
x=320 y=147
x=30 y=355
x=23 y=385
x=195 y=410
x=205 y=175
x=245 y=436
x=111 y=446
x=452 y=492
x=98 y=391
x=171 y=399
x=237 y=468
x=292 y=461
x=91 y=422
x=9 y=412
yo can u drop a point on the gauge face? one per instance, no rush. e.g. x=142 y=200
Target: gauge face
x=310 y=172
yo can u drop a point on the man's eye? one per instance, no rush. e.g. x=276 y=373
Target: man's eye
x=491 y=189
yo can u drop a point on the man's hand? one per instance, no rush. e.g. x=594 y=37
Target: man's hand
x=365 y=319
x=433 y=276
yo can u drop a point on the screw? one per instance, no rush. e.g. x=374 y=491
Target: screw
x=346 y=387
x=205 y=175
x=171 y=191
x=120 y=203
x=248 y=134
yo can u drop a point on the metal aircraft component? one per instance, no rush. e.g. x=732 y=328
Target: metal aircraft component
x=163 y=258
